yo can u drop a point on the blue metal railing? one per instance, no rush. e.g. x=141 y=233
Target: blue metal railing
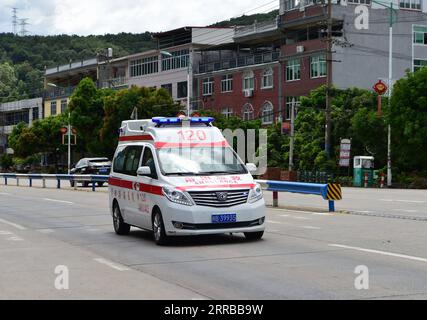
x=92 y=179
x=297 y=187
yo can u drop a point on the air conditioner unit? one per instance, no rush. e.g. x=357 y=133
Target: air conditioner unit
x=300 y=49
x=248 y=93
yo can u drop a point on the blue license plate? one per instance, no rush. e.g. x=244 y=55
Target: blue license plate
x=223 y=218
x=103 y=170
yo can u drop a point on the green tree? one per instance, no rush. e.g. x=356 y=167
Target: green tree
x=408 y=118
x=119 y=106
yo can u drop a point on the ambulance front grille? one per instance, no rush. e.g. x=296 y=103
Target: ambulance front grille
x=216 y=198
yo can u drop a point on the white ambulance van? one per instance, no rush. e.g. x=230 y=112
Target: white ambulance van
x=178 y=176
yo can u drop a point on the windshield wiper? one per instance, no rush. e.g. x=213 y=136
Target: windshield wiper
x=218 y=172
x=180 y=174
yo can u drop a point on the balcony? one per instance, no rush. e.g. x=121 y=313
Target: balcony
x=257 y=28
x=242 y=61
x=114 y=83
x=59 y=92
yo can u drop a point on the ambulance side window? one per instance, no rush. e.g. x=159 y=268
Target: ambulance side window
x=119 y=161
x=148 y=161
x=133 y=155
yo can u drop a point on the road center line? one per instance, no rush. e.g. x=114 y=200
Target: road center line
x=61 y=201
x=17 y=226
x=111 y=264
x=385 y=253
x=408 y=201
x=5 y=194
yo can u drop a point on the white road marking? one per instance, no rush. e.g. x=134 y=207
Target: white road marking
x=284 y=215
x=15 y=239
x=405 y=210
x=300 y=218
x=364 y=211
x=302 y=211
x=310 y=227
x=409 y=201
x=5 y=194
x=111 y=264
x=17 y=226
x=93 y=230
x=274 y=222
x=385 y=253
x=4 y=233
x=61 y=201
x=46 y=231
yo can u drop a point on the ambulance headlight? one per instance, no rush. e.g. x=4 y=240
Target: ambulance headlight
x=177 y=196
x=255 y=194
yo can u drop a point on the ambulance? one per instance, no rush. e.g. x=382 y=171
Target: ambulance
x=179 y=177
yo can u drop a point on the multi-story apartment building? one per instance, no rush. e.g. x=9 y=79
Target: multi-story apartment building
x=243 y=78
x=12 y=113
x=295 y=44
x=167 y=66
x=61 y=81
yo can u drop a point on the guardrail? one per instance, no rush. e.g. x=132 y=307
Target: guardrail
x=330 y=191
x=93 y=179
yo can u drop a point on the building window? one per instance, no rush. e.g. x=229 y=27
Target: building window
x=227 y=112
x=267 y=113
x=318 y=66
x=182 y=89
x=53 y=108
x=143 y=66
x=64 y=104
x=410 y=4
x=178 y=60
x=360 y=1
x=35 y=113
x=227 y=83
x=267 y=78
x=290 y=4
x=248 y=112
x=208 y=86
x=420 y=35
x=418 y=64
x=289 y=102
x=248 y=80
x=293 y=70
x=168 y=87
x=13 y=118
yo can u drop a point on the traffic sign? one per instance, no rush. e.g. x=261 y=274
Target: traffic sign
x=345 y=152
x=380 y=87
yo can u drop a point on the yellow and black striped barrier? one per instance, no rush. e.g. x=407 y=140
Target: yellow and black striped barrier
x=334 y=191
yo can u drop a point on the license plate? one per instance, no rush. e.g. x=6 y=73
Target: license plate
x=223 y=218
x=103 y=170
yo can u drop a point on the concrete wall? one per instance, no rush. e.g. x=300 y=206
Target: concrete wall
x=365 y=59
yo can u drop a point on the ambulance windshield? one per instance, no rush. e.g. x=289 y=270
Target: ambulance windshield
x=200 y=161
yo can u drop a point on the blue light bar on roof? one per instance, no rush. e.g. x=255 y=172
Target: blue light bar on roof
x=175 y=120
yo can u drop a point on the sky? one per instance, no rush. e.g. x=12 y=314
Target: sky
x=83 y=17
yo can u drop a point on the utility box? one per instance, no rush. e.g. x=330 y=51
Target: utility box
x=363 y=165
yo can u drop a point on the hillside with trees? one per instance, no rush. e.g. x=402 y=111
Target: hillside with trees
x=23 y=59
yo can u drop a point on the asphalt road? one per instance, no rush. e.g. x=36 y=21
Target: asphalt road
x=303 y=255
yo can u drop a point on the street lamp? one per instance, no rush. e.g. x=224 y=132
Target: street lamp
x=390 y=84
x=189 y=70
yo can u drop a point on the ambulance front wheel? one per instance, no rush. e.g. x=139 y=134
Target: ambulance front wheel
x=159 y=232
x=254 y=235
x=120 y=227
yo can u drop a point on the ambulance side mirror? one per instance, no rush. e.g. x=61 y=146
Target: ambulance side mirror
x=251 y=167
x=143 y=171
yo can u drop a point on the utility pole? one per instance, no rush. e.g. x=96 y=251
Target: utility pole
x=189 y=72
x=15 y=21
x=390 y=85
x=292 y=137
x=69 y=142
x=328 y=82
x=23 y=22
